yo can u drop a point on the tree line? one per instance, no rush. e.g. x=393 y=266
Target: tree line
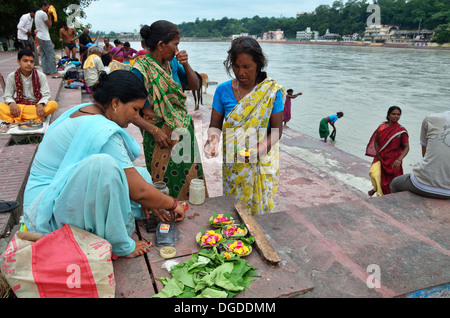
x=342 y=17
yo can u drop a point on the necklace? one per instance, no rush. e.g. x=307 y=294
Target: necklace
x=85 y=112
x=239 y=91
x=90 y=113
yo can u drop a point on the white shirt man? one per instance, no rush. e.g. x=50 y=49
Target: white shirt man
x=24 y=26
x=430 y=177
x=43 y=23
x=41 y=26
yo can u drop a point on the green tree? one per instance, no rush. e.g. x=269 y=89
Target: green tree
x=442 y=34
x=343 y=17
x=12 y=10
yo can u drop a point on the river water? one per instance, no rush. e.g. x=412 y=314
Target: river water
x=362 y=82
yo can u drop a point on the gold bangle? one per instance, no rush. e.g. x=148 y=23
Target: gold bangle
x=156 y=130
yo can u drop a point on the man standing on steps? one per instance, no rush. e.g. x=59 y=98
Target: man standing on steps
x=43 y=22
x=24 y=29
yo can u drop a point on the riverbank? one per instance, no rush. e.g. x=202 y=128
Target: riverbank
x=361 y=44
x=430 y=46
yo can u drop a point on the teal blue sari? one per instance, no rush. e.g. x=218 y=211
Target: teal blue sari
x=89 y=189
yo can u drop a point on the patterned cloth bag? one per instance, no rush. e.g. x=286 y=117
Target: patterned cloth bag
x=67 y=263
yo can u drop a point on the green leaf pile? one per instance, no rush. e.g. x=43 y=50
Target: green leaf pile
x=208 y=274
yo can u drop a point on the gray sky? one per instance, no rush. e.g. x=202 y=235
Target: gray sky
x=120 y=15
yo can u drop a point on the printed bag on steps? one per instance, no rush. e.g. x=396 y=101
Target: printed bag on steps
x=67 y=263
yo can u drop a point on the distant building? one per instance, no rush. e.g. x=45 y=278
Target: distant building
x=298 y=14
x=380 y=32
x=307 y=35
x=277 y=35
x=330 y=36
x=234 y=36
x=350 y=37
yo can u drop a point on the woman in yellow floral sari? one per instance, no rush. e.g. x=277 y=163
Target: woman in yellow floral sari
x=249 y=111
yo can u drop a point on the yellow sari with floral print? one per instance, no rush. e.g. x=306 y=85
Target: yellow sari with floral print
x=254 y=183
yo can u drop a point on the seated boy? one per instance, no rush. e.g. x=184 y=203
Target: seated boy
x=26 y=93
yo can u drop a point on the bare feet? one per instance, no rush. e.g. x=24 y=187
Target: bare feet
x=371 y=192
x=141 y=248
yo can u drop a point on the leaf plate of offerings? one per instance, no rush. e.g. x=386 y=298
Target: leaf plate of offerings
x=234 y=231
x=209 y=238
x=220 y=220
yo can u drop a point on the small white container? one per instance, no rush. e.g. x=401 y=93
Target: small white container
x=197 y=192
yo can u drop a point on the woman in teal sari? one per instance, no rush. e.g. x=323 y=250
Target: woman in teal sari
x=83 y=174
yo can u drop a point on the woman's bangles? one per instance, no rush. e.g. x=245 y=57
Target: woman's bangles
x=174 y=206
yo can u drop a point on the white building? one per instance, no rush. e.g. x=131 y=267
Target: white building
x=307 y=35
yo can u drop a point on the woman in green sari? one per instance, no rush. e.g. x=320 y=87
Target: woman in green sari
x=249 y=111
x=170 y=146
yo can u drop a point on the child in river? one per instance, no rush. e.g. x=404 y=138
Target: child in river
x=287 y=105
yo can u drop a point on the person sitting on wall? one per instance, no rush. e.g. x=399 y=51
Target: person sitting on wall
x=27 y=94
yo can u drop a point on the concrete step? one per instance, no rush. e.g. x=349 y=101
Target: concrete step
x=402 y=238
x=15 y=163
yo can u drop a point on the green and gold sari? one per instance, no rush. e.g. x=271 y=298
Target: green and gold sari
x=178 y=164
x=254 y=183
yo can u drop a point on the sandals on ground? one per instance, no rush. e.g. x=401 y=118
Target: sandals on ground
x=8 y=206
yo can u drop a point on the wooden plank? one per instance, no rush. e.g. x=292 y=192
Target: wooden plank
x=266 y=251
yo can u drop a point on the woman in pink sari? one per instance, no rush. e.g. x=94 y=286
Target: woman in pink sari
x=388 y=145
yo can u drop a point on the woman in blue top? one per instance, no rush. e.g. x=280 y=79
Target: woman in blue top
x=249 y=111
x=324 y=131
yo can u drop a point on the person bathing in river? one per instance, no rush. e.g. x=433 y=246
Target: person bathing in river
x=287 y=105
x=324 y=131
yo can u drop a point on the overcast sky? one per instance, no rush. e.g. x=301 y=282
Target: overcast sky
x=120 y=15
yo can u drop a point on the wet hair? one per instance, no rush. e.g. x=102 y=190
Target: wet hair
x=160 y=30
x=64 y=23
x=391 y=109
x=340 y=114
x=127 y=44
x=116 y=41
x=24 y=52
x=250 y=46
x=121 y=84
x=289 y=91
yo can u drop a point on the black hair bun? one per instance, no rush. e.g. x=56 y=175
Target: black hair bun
x=146 y=32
